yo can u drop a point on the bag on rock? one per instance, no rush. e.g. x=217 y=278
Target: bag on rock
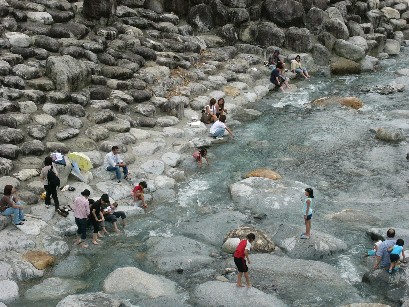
x=52 y=178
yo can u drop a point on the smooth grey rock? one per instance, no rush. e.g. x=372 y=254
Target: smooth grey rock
x=135 y=280
x=9 y=291
x=72 y=266
x=216 y=293
x=195 y=254
x=10 y=240
x=26 y=174
x=99 y=299
x=392 y=47
x=348 y=50
x=318 y=246
x=172 y=159
x=53 y=288
x=388 y=135
x=153 y=166
x=19 y=39
x=27 y=107
x=148 y=148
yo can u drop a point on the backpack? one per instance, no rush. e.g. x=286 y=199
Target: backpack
x=52 y=178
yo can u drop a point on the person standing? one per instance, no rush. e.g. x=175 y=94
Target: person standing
x=307 y=210
x=81 y=213
x=96 y=216
x=240 y=256
x=9 y=205
x=113 y=163
x=382 y=255
x=50 y=187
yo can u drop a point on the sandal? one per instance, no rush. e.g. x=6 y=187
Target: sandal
x=21 y=223
x=62 y=213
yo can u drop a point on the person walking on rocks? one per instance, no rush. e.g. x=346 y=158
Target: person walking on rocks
x=49 y=175
x=382 y=254
x=81 y=213
x=9 y=205
x=240 y=256
x=307 y=210
x=113 y=163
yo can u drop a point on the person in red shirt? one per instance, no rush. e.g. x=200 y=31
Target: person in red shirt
x=199 y=154
x=138 y=193
x=242 y=252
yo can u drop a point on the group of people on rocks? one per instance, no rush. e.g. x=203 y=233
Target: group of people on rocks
x=215 y=113
x=277 y=66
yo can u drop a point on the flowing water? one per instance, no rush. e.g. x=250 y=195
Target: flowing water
x=331 y=149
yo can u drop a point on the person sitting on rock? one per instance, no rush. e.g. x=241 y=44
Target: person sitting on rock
x=113 y=163
x=138 y=193
x=109 y=217
x=209 y=112
x=10 y=205
x=200 y=153
x=220 y=109
x=297 y=68
x=118 y=214
x=273 y=59
x=277 y=77
x=382 y=254
x=218 y=128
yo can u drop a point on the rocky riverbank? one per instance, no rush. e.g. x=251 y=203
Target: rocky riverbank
x=84 y=76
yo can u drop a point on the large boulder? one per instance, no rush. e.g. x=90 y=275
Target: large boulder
x=135 y=280
x=9 y=291
x=268 y=34
x=392 y=47
x=99 y=299
x=263 y=172
x=284 y=13
x=389 y=135
x=54 y=288
x=348 y=50
x=317 y=283
x=195 y=254
x=343 y=66
x=216 y=293
x=39 y=259
x=262 y=243
x=201 y=17
x=352 y=102
x=337 y=28
x=298 y=39
x=318 y=246
x=67 y=73
x=315 y=19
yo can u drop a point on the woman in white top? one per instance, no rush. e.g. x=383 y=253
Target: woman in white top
x=297 y=68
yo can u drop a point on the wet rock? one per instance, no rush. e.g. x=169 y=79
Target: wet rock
x=352 y=102
x=215 y=293
x=53 y=288
x=342 y=66
x=99 y=299
x=38 y=132
x=9 y=291
x=318 y=246
x=195 y=255
x=263 y=172
x=9 y=151
x=35 y=148
x=153 y=167
x=11 y=136
x=262 y=243
x=388 y=135
x=348 y=50
x=67 y=73
x=292 y=273
x=135 y=280
x=67 y=134
x=357 y=217
x=72 y=266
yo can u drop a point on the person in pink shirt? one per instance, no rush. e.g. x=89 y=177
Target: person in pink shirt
x=81 y=212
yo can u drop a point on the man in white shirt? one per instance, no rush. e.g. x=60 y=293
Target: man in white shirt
x=113 y=163
x=218 y=128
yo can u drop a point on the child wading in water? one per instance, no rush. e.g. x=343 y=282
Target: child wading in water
x=199 y=154
x=307 y=210
x=242 y=252
x=396 y=250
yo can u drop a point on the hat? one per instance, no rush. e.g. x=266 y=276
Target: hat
x=105 y=198
x=86 y=192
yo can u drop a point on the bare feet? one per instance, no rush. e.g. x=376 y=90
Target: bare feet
x=84 y=245
x=100 y=235
x=239 y=285
x=117 y=230
x=95 y=243
x=248 y=285
x=98 y=240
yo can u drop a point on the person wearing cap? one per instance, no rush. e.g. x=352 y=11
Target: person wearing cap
x=81 y=212
x=97 y=217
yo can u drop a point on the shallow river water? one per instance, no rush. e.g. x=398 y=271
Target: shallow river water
x=330 y=149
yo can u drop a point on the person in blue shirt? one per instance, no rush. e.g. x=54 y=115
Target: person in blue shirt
x=395 y=251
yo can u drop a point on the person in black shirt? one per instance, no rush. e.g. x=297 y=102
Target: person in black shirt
x=277 y=77
x=96 y=216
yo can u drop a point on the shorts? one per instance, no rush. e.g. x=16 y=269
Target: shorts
x=309 y=217
x=241 y=264
x=394 y=257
